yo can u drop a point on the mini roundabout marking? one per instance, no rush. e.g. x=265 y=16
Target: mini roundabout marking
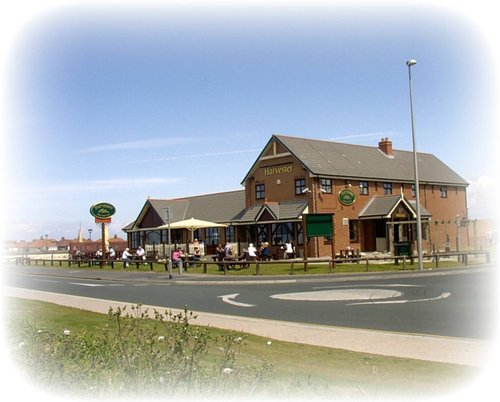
x=340 y=295
x=357 y=296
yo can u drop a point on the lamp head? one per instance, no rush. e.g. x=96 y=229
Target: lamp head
x=411 y=62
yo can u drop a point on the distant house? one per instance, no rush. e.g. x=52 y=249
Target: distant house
x=45 y=245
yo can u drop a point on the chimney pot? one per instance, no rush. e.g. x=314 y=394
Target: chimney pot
x=385 y=145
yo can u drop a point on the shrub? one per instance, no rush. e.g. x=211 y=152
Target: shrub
x=134 y=354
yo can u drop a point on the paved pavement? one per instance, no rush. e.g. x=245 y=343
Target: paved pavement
x=423 y=347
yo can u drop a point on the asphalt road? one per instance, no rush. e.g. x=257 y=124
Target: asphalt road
x=457 y=303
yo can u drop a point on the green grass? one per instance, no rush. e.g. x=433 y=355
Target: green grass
x=280 y=268
x=297 y=370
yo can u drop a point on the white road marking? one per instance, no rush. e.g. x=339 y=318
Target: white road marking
x=375 y=286
x=227 y=299
x=95 y=285
x=340 y=295
x=86 y=284
x=440 y=297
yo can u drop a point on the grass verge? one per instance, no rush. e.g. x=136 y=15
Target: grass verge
x=257 y=366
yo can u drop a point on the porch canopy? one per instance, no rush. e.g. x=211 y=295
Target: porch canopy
x=392 y=206
x=192 y=224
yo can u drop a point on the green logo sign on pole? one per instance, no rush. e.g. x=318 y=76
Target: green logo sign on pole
x=347 y=197
x=319 y=225
x=102 y=210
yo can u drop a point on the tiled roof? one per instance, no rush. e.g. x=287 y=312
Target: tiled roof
x=287 y=210
x=227 y=208
x=327 y=158
x=217 y=207
x=382 y=207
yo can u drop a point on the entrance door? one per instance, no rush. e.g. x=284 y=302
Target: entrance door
x=374 y=235
x=380 y=236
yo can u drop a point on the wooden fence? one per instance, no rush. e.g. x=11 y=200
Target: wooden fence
x=295 y=264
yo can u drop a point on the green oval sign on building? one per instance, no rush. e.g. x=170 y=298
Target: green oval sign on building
x=347 y=197
x=102 y=210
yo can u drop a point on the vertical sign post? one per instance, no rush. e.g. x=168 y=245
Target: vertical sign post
x=306 y=241
x=102 y=212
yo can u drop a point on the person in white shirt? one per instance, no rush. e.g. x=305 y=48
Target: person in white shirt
x=289 y=250
x=140 y=253
x=126 y=256
x=252 y=252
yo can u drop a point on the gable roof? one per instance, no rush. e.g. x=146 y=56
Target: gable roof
x=286 y=210
x=382 y=207
x=339 y=160
x=217 y=207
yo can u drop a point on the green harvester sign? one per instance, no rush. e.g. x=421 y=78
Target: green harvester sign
x=347 y=197
x=102 y=210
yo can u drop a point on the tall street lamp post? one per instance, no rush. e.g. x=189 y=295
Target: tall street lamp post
x=168 y=216
x=411 y=63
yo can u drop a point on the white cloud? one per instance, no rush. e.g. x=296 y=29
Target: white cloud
x=134 y=145
x=482 y=198
x=202 y=155
x=360 y=137
x=94 y=185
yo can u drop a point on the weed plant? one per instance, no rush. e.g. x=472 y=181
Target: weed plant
x=135 y=355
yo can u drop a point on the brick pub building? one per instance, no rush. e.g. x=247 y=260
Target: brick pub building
x=370 y=191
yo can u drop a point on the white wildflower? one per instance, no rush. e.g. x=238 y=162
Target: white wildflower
x=67 y=332
x=269 y=343
x=227 y=370
x=161 y=338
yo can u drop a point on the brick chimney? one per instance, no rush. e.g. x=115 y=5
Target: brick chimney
x=385 y=145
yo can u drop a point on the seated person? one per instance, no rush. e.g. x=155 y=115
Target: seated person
x=126 y=256
x=252 y=252
x=289 y=250
x=177 y=256
x=197 y=254
x=140 y=254
x=264 y=252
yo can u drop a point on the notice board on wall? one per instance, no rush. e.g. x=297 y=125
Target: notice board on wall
x=319 y=225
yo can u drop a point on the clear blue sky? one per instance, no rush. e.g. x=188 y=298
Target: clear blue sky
x=120 y=104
